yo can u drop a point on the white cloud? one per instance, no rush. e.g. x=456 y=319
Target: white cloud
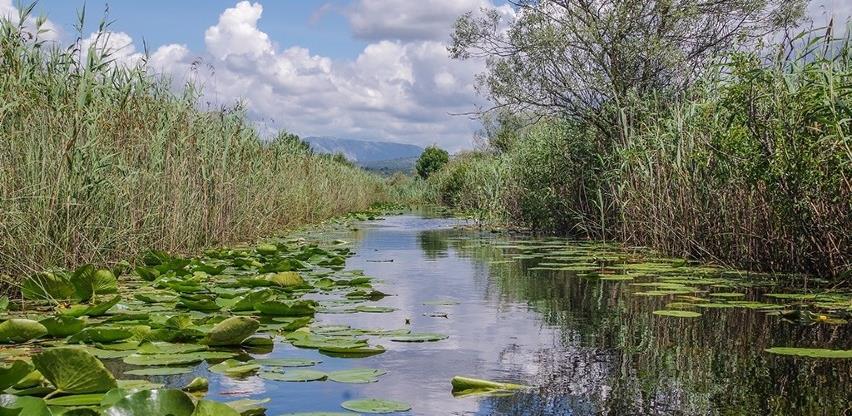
x=393 y=90
x=49 y=30
x=412 y=20
x=821 y=11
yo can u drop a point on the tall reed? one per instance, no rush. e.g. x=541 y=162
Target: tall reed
x=99 y=161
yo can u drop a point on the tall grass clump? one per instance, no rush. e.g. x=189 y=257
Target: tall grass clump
x=99 y=161
x=750 y=167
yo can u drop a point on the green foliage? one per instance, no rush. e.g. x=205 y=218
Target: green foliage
x=431 y=161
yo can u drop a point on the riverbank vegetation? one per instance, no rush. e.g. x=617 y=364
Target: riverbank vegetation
x=99 y=162
x=609 y=126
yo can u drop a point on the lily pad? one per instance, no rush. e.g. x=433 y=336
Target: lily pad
x=89 y=282
x=17 y=331
x=233 y=367
x=810 y=352
x=375 y=406
x=12 y=372
x=160 y=371
x=374 y=309
x=356 y=375
x=419 y=337
x=25 y=406
x=100 y=334
x=74 y=371
x=287 y=362
x=232 y=331
x=249 y=407
x=197 y=384
x=294 y=375
x=287 y=307
x=148 y=348
x=153 y=402
x=464 y=386
x=211 y=408
x=677 y=313
x=176 y=359
x=47 y=286
x=63 y=326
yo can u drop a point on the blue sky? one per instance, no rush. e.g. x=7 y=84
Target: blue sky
x=311 y=24
x=362 y=69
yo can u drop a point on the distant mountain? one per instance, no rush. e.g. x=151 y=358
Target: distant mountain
x=364 y=152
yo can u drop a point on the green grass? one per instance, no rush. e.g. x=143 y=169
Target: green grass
x=751 y=167
x=99 y=162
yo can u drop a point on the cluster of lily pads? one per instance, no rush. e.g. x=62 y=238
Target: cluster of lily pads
x=170 y=314
x=691 y=288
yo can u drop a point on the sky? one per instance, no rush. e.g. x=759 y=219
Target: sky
x=360 y=69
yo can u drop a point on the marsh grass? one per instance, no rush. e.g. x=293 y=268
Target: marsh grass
x=750 y=168
x=99 y=161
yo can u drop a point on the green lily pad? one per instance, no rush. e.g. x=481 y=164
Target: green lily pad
x=373 y=309
x=677 y=313
x=90 y=399
x=211 y=408
x=287 y=307
x=176 y=359
x=810 y=352
x=356 y=375
x=294 y=375
x=419 y=337
x=89 y=282
x=375 y=406
x=100 y=334
x=197 y=384
x=62 y=325
x=47 y=286
x=153 y=402
x=233 y=367
x=25 y=406
x=249 y=407
x=160 y=371
x=74 y=371
x=466 y=386
x=13 y=372
x=16 y=331
x=232 y=331
x=149 y=348
x=287 y=362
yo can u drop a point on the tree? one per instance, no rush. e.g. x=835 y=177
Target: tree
x=585 y=58
x=431 y=161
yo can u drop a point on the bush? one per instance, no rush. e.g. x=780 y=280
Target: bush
x=431 y=160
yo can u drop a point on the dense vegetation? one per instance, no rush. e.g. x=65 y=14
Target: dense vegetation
x=99 y=161
x=747 y=162
x=432 y=160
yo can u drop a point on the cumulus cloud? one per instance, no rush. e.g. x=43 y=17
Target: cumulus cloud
x=412 y=20
x=49 y=30
x=393 y=90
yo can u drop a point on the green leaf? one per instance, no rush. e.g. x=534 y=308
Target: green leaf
x=287 y=362
x=148 y=348
x=88 y=282
x=16 y=331
x=249 y=407
x=26 y=406
x=47 y=286
x=13 y=372
x=294 y=375
x=62 y=325
x=677 y=314
x=810 y=352
x=160 y=371
x=77 y=400
x=375 y=406
x=419 y=337
x=287 y=307
x=97 y=309
x=233 y=367
x=176 y=359
x=463 y=386
x=232 y=331
x=74 y=371
x=357 y=375
x=197 y=384
x=153 y=402
x=211 y=408
x=100 y=334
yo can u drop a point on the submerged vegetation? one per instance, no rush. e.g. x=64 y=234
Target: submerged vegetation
x=748 y=165
x=99 y=162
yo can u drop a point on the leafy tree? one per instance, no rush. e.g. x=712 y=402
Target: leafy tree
x=431 y=161
x=579 y=58
x=292 y=141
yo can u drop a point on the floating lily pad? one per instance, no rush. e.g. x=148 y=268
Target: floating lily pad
x=63 y=326
x=232 y=331
x=100 y=334
x=249 y=407
x=419 y=337
x=375 y=406
x=197 y=384
x=810 y=352
x=148 y=348
x=90 y=399
x=287 y=362
x=153 y=402
x=356 y=375
x=25 y=406
x=176 y=359
x=47 y=286
x=233 y=367
x=287 y=307
x=160 y=371
x=74 y=371
x=12 y=372
x=373 y=309
x=294 y=375
x=211 y=408
x=677 y=313
x=467 y=386
x=89 y=282
x=17 y=331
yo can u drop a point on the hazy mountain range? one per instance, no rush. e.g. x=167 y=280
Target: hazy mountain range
x=373 y=155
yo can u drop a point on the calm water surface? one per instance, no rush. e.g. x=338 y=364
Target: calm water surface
x=589 y=346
